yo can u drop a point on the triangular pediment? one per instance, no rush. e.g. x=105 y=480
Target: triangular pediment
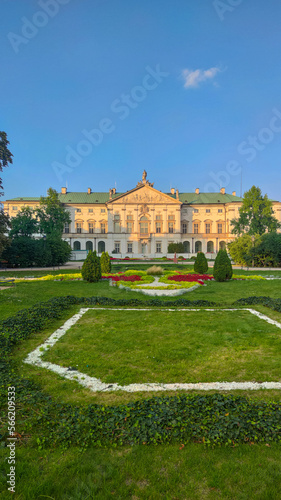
x=145 y=194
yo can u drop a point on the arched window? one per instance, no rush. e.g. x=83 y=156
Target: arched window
x=198 y=246
x=77 y=245
x=210 y=246
x=222 y=245
x=186 y=247
x=144 y=225
x=89 y=245
x=101 y=246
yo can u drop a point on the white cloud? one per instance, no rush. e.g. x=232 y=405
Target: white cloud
x=192 y=78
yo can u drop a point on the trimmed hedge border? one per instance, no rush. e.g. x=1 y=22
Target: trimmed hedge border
x=210 y=419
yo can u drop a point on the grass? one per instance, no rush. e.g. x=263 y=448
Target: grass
x=168 y=347
x=137 y=472
x=166 y=472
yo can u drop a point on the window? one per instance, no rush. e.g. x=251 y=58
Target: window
x=210 y=247
x=219 y=228
x=130 y=247
x=158 y=227
x=198 y=246
x=208 y=210
x=220 y=210
x=129 y=217
x=102 y=210
x=78 y=210
x=144 y=225
x=170 y=227
x=171 y=217
x=77 y=245
x=222 y=245
x=184 y=227
x=117 y=223
x=207 y=228
x=158 y=247
x=186 y=246
x=89 y=245
x=195 y=210
x=78 y=227
x=90 y=210
x=117 y=247
x=66 y=228
x=15 y=208
x=129 y=227
x=91 y=227
x=102 y=228
x=158 y=217
x=196 y=228
x=101 y=246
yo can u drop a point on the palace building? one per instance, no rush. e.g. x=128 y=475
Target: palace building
x=143 y=221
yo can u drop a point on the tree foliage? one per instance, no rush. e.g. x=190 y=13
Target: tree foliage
x=175 y=247
x=52 y=215
x=25 y=223
x=222 y=269
x=4 y=224
x=255 y=215
x=201 y=263
x=91 y=269
x=6 y=156
x=266 y=252
x=105 y=262
x=240 y=248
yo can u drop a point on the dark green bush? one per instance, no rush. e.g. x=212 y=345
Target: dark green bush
x=175 y=247
x=201 y=263
x=91 y=269
x=222 y=269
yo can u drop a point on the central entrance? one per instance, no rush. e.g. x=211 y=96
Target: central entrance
x=144 y=248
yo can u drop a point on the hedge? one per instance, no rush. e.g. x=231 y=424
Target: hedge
x=210 y=419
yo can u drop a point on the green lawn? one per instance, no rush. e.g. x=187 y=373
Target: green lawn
x=129 y=347
x=141 y=472
x=170 y=472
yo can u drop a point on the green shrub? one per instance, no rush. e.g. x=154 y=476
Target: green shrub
x=91 y=269
x=155 y=271
x=105 y=263
x=175 y=247
x=201 y=264
x=222 y=270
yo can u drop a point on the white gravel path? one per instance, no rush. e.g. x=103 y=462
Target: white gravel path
x=95 y=385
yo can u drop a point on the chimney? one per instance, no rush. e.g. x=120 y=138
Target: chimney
x=177 y=194
x=89 y=191
x=114 y=191
x=222 y=190
x=172 y=190
x=233 y=193
x=110 y=194
x=63 y=190
x=197 y=191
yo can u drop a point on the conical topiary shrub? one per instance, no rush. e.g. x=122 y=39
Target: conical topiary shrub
x=105 y=263
x=91 y=269
x=222 y=270
x=201 y=263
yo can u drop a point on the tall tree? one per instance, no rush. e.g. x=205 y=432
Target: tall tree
x=5 y=154
x=25 y=223
x=5 y=159
x=255 y=215
x=52 y=215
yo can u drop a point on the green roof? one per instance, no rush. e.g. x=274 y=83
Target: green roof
x=203 y=198
x=102 y=198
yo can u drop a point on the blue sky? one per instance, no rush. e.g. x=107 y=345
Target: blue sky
x=95 y=91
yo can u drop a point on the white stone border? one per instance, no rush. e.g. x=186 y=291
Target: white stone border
x=95 y=385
